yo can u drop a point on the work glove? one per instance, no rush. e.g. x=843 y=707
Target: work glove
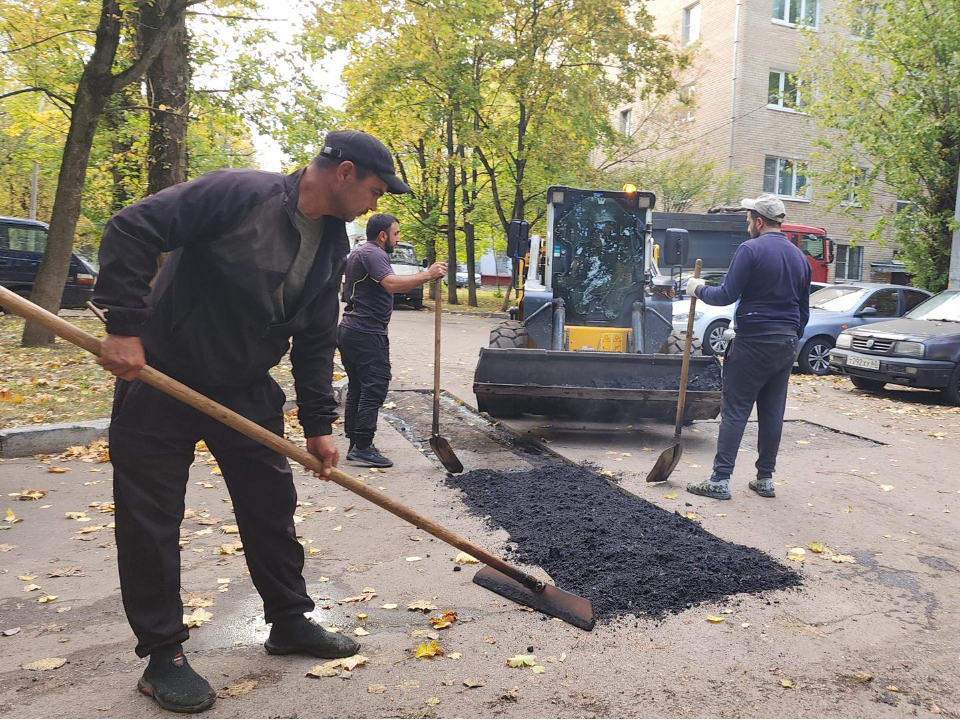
x=693 y=284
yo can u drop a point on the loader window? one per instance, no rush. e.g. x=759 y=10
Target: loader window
x=606 y=256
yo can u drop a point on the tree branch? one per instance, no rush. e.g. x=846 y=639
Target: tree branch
x=235 y=17
x=149 y=54
x=38 y=42
x=45 y=91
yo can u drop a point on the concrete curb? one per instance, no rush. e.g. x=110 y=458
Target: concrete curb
x=48 y=439
x=477 y=313
x=52 y=439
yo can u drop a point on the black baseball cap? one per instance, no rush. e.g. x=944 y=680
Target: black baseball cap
x=365 y=150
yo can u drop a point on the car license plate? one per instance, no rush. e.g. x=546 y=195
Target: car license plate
x=865 y=363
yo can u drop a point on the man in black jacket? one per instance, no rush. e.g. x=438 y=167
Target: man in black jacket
x=769 y=279
x=255 y=259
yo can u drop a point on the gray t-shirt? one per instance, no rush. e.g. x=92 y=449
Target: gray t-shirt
x=368 y=303
x=288 y=294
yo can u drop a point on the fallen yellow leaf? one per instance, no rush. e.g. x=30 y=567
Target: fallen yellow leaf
x=197 y=618
x=715 y=619
x=428 y=651
x=465 y=559
x=51 y=663
x=785 y=683
x=522 y=660
x=48 y=598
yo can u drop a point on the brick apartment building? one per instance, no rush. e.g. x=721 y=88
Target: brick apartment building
x=740 y=90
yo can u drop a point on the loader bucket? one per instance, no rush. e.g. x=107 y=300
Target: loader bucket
x=596 y=386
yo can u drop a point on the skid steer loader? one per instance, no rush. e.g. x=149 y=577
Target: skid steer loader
x=591 y=334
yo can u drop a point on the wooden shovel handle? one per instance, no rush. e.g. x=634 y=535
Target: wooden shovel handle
x=685 y=363
x=436 y=361
x=73 y=334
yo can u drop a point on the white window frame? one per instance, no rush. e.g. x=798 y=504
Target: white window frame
x=626 y=121
x=785 y=19
x=776 y=184
x=845 y=250
x=690 y=25
x=780 y=105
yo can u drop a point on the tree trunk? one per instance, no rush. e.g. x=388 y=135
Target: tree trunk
x=97 y=83
x=168 y=81
x=451 y=215
x=468 y=229
x=93 y=91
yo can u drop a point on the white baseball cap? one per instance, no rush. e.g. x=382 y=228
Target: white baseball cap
x=768 y=205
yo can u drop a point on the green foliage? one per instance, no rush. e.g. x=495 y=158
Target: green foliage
x=681 y=182
x=888 y=101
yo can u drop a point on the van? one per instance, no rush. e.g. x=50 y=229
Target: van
x=22 y=244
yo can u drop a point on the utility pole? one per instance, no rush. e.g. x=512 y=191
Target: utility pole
x=954 y=276
x=34 y=188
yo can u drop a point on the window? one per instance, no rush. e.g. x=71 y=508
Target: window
x=783 y=91
x=626 y=121
x=848 y=262
x=785 y=177
x=886 y=303
x=912 y=298
x=796 y=12
x=906 y=205
x=24 y=239
x=812 y=246
x=857 y=182
x=688 y=100
x=691 y=24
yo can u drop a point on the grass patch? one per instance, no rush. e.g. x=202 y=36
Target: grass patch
x=62 y=383
x=487 y=300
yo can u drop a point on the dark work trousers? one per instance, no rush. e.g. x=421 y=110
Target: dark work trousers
x=152 y=440
x=366 y=358
x=755 y=370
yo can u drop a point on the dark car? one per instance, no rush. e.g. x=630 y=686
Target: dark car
x=840 y=307
x=22 y=244
x=921 y=349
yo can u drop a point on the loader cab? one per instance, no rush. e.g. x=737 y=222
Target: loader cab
x=596 y=255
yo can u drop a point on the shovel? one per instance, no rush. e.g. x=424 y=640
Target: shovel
x=669 y=458
x=500 y=577
x=441 y=448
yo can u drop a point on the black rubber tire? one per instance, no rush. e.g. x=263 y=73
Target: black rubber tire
x=418 y=304
x=951 y=393
x=673 y=345
x=867 y=384
x=814 y=358
x=717 y=327
x=510 y=334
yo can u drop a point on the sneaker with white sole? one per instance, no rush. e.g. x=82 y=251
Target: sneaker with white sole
x=368 y=457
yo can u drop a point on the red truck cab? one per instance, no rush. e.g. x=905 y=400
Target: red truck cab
x=815 y=245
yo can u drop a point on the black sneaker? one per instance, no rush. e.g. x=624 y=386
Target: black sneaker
x=368 y=457
x=175 y=685
x=763 y=487
x=300 y=636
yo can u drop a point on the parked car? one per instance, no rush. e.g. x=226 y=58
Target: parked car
x=22 y=244
x=711 y=321
x=921 y=349
x=839 y=307
x=462 y=276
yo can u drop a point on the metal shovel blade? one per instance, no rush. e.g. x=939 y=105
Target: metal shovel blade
x=666 y=464
x=551 y=600
x=441 y=448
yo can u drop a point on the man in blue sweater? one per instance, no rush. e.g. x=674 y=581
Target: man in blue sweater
x=770 y=278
